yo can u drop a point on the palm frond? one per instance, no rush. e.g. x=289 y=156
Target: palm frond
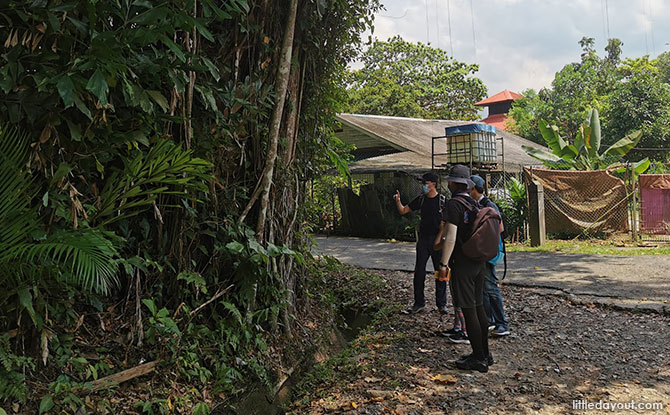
x=165 y=169
x=17 y=220
x=89 y=258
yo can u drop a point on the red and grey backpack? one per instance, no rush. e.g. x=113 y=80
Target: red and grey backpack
x=482 y=245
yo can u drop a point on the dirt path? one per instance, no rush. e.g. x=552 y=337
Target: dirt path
x=633 y=280
x=558 y=352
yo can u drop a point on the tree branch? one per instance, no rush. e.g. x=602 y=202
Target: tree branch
x=211 y=300
x=280 y=92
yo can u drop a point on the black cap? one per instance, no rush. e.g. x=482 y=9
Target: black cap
x=429 y=177
x=460 y=174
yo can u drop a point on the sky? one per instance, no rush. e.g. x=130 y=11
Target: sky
x=521 y=44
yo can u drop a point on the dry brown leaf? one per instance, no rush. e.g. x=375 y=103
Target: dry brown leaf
x=80 y=321
x=375 y=393
x=26 y=38
x=447 y=379
x=9 y=38
x=36 y=42
x=46 y=134
x=45 y=346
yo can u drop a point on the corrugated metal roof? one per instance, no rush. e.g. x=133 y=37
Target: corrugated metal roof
x=503 y=96
x=410 y=140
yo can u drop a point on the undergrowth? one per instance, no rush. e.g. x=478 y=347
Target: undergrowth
x=348 y=287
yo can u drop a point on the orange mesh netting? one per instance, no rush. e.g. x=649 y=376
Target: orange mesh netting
x=579 y=200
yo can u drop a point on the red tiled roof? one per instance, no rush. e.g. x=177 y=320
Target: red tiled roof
x=503 y=96
x=496 y=120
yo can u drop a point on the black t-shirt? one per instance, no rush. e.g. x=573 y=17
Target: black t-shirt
x=454 y=213
x=430 y=213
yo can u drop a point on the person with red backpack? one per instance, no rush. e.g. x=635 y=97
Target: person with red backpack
x=493 y=302
x=470 y=239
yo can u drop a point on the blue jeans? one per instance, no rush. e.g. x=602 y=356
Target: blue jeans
x=493 y=303
x=424 y=251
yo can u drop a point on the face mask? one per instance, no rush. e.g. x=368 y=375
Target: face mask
x=425 y=188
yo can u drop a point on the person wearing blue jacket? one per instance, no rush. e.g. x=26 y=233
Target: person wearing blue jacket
x=493 y=302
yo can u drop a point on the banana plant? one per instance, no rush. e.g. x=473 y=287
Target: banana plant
x=584 y=152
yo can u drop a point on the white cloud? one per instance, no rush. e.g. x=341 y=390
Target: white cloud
x=521 y=44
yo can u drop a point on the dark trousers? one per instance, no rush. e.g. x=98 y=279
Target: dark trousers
x=424 y=250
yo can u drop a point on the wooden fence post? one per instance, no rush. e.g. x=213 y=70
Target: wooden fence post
x=536 y=223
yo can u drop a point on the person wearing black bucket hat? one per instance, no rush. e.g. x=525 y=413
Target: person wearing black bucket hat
x=467 y=275
x=430 y=203
x=460 y=174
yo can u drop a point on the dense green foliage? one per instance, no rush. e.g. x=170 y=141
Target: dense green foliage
x=405 y=79
x=583 y=153
x=147 y=127
x=514 y=206
x=631 y=95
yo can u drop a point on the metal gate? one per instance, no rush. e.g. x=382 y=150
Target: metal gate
x=654 y=207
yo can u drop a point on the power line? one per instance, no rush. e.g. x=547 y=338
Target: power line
x=395 y=17
x=427 y=24
x=646 y=29
x=651 y=27
x=472 y=17
x=602 y=12
x=437 y=22
x=607 y=16
x=451 y=43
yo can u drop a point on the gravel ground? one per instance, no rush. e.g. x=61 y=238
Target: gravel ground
x=558 y=352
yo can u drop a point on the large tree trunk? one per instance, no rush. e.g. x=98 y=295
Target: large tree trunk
x=281 y=86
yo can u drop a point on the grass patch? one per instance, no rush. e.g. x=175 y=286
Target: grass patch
x=592 y=247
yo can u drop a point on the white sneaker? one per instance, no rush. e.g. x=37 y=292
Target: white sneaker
x=501 y=332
